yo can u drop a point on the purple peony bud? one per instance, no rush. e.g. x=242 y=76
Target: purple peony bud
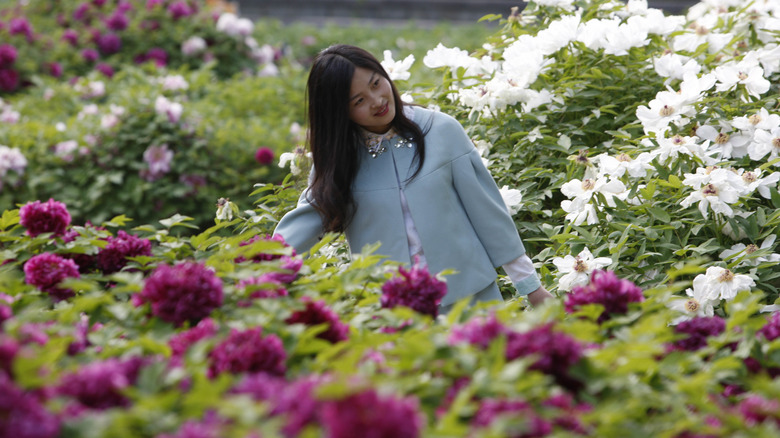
x=90 y=55
x=20 y=26
x=368 y=414
x=316 y=313
x=188 y=291
x=9 y=79
x=8 y=55
x=117 y=22
x=55 y=69
x=478 y=331
x=264 y=156
x=100 y=384
x=416 y=289
x=114 y=256
x=554 y=353
x=71 y=36
x=179 y=9
x=48 y=217
x=771 y=330
x=104 y=68
x=248 y=351
x=45 y=271
x=608 y=290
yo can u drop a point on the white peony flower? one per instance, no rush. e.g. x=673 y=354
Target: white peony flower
x=750 y=76
x=720 y=283
x=713 y=188
x=674 y=66
x=696 y=305
x=193 y=45
x=512 y=198
x=174 y=82
x=172 y=110
x=576 y=270
x=397 y=70
x=744 y=252
x=765 y=143
x=724 y=142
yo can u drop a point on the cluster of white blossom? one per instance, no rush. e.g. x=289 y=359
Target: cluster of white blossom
x=11 y=159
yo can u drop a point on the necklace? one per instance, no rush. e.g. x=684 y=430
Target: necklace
x=375 y=142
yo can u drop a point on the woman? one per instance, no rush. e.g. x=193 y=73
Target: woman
x=404 y=176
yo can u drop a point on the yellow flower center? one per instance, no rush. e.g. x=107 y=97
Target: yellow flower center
x=749 y=177
x=710 y=190
x=624 y=158
x=776 y=142
x=726 y=276
x=742 y=76
x=750 y=249
x=722 y=138
x=666 y=111
x=580 y=265
x=588 y=184
x=755 y=119
x=692 y=306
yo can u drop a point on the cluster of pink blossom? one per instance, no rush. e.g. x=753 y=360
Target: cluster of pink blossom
x=367 y=413
x=607 y=290
x=756 y=409
x=698 y=331
x=316 y=313
x=263 y=256
x=182 y=341
x=44 y=217
x=771 y=330
x=416 y=288
x=114 y=256
x=46 y=271
x=188 y=291
x=248 y=351
x=553 y=353
x=263 y=286
x=101 y=384
x=23 y=413
x=209 y=427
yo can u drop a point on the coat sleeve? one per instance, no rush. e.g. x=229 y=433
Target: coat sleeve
x=485 y=208
x=301 y=227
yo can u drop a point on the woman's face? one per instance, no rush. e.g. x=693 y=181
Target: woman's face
x=371 y=103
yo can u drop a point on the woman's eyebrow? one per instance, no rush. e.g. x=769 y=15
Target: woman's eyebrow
x=370 y=80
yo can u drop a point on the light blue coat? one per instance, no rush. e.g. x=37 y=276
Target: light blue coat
x=461 y=218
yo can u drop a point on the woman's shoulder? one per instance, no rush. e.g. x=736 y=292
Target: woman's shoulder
x=442 y=131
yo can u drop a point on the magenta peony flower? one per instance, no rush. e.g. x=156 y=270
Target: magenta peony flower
x=757 y=409
x=185 y=292
x=82 y=13
x=8 y=54
x=117 y=22
x=45 y=271
x=99 y=3
x=258 y=287
x=71 y=36
x=490 y=409
x=108 y=43
x=553 y=353
x=20 y=26
x=181 y=342
x=158 y=55
x=48 y=217
x=104 y=68
x=6 y=312
x=416 y=289
x=9 y=347
x=22 y=415
x=179 y=9
x=99 y=385
x=248 y=352
x=264 y=155
x=366 y=414
x=114 y=256
x=90 y=55
x=295 y=401
x=209 y=427
x=289 y=270
x=9 y=79
x=608 y=290
x=151 y=4
x=261 y=257
x=55 y=69
x=80 y=331
x=771 y=330
x=478 y=331
x=698 y=330
x=316 y=313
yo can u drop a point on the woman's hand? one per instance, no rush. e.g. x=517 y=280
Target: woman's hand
x=539 y=296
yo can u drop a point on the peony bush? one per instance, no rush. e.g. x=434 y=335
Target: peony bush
x=632 y=148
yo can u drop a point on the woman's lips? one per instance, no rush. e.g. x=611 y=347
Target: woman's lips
x=382 y=111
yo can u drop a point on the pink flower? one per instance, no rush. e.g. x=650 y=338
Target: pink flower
x=71 y=36
x=9 y=347
x=554 y=353
x=416 y=289
x=771 y=330
x=48 y=217
x=264 y=286
x=47 y=270
x=478 y=331
x=23 y=415
x=490 y=409
x=109 y=43
x=20 y=25
x=8 y=55
x=55 y=69
x=248 y=352
x=90 y=55
x=181 y=342
x=117 y=21
x=179 y=9
x=263 y=256
x=9 y=79
x=757 y=409
x=366 y=414
x=316 y=313
x=264 y=156
x=185 y=292
x=100 y=384
x=104 y=68
x=608 y=290
x=289 y=270
x=114 y=256
x=698 y=330
x=158 y=158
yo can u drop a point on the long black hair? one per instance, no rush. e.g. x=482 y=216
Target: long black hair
x=334 y=138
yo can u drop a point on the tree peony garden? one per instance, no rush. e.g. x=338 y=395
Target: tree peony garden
x=148 y=148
